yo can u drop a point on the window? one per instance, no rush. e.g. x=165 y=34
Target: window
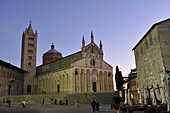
x=29 y=63
x=146 y=44
x=30 y=45
x=141 y=50
x=30 y=51
x=137 y=54
x=3 y=73
x=31 y=38
x=76 y=72
x=30 y=57
x=150 y=39
x=109 y=74
x=92 y=62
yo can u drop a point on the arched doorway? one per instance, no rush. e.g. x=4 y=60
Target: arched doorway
x=28 y=88
x=94 y=86
x=94 y=80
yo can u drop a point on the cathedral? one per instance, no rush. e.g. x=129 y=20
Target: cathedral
x=82 y=72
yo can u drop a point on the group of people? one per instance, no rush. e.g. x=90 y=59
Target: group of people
x=55 y=102
x=8 y=103
x=95 y=105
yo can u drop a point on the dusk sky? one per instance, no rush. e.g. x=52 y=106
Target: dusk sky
x=119 y=24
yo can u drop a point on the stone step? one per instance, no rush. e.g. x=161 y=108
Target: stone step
x=85 y=98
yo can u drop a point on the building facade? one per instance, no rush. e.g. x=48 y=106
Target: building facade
x=152 y=56
x=11 y=79
x=82 y=72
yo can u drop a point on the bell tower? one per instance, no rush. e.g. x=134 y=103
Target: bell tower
x=28 y=57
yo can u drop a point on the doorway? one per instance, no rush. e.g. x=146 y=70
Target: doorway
x=58 y=88
x=94 y=86
x=9 y=89
x=29 y=89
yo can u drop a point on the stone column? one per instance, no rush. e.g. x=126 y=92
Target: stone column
x=67 y=82
x=103 y=82
x=90 y=83
x=107 y=83
x=85 y=82
x=61 y=83
x=73 y=81
x=46 y=84
x=63 y=80
x=47 y=87
x=79 y=76
x=98 y=83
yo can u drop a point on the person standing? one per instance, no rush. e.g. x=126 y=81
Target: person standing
x=97 y=105
x=93 y=104
x=43 y=101
x=9 y=103
x=67 y=102
x=61 y=103
x=23 y=104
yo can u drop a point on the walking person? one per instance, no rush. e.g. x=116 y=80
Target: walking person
x=77 y=103
x=97 y=105
x=93 y=104
x=23 y=104
x=55 y=101
x=43 y=101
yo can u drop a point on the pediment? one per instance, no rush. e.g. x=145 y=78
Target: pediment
x=92 y=48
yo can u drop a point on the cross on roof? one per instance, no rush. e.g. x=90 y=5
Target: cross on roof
x=30 y=22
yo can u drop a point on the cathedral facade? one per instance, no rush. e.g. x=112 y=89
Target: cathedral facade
x=82 y=72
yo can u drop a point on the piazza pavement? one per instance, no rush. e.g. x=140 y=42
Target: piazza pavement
x=50 y=108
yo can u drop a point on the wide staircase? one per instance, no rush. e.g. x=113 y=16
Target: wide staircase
x=85 y=98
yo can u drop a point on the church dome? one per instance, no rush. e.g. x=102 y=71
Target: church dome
x=51 y=55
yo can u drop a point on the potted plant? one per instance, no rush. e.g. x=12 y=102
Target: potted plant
x=116 y=103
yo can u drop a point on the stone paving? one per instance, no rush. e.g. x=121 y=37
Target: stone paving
x=38 y=108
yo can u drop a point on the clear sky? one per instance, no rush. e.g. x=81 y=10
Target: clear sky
x=120 y=24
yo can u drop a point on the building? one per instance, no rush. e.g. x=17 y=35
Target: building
x=133 y=85
x=152 y=56
x=81 y=72
x=11 y=79
x=28 y=57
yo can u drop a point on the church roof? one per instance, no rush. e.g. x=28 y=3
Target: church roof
x=62 y=62
x=30 y=29
x=12 y=66
x=52 y=50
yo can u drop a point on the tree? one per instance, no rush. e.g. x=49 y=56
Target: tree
x=119 y=79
